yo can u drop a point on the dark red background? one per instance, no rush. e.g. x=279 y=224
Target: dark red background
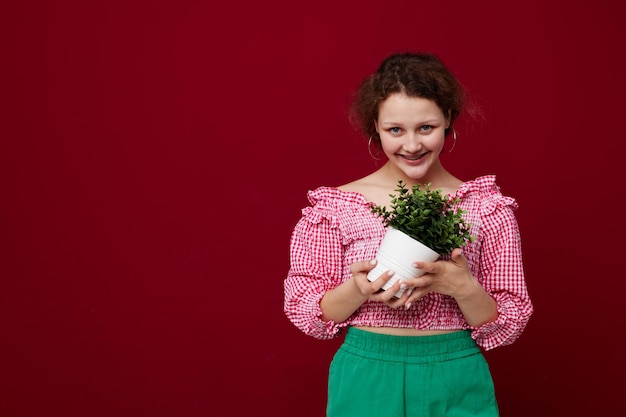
x=154 y=157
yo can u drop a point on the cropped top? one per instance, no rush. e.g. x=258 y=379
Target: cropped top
x=339 y=228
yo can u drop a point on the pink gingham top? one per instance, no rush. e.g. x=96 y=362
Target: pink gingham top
x=339 y=229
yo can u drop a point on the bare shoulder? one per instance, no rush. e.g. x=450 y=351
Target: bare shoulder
x=451 y=185
x=362 y=185
x=371 y=187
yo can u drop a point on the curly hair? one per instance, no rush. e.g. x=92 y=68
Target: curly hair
x=414 y=74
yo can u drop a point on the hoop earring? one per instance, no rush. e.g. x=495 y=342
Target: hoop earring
x=454 y=138
x=369 y=149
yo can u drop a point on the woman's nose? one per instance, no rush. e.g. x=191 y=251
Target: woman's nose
x=412 y=143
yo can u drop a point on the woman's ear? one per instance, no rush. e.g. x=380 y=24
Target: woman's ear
x=376 y=127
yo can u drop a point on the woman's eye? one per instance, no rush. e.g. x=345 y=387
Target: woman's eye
x=395 y=130
x=427 y=128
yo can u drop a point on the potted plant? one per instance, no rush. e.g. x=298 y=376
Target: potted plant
x=421 y=225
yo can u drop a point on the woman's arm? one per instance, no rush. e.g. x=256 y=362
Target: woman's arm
x=341 y=302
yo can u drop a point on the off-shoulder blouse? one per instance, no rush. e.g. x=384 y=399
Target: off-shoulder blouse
x=339 y=228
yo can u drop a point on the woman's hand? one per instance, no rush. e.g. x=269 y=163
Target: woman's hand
x=451 y=278
x=372 y=290
x=341 y=302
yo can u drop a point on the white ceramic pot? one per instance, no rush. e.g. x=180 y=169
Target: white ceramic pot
x=397 y=252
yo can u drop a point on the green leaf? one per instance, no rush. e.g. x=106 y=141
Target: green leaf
x=428 y=216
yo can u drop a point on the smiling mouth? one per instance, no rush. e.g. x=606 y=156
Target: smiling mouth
x=414 y=157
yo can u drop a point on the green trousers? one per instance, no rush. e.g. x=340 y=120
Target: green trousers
x=409 y=376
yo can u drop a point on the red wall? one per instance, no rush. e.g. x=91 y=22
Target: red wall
x=154 y=157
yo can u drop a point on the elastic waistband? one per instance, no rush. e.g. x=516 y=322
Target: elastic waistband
x=409 y=349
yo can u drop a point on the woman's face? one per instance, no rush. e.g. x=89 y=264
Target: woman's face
x=412 y=133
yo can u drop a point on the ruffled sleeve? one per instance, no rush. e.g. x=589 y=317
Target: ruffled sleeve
x=316 y=265
x=500 y=268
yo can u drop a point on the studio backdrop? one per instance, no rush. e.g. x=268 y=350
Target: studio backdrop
x=155 y=156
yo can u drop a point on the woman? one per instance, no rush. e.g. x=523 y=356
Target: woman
x=420 y=354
